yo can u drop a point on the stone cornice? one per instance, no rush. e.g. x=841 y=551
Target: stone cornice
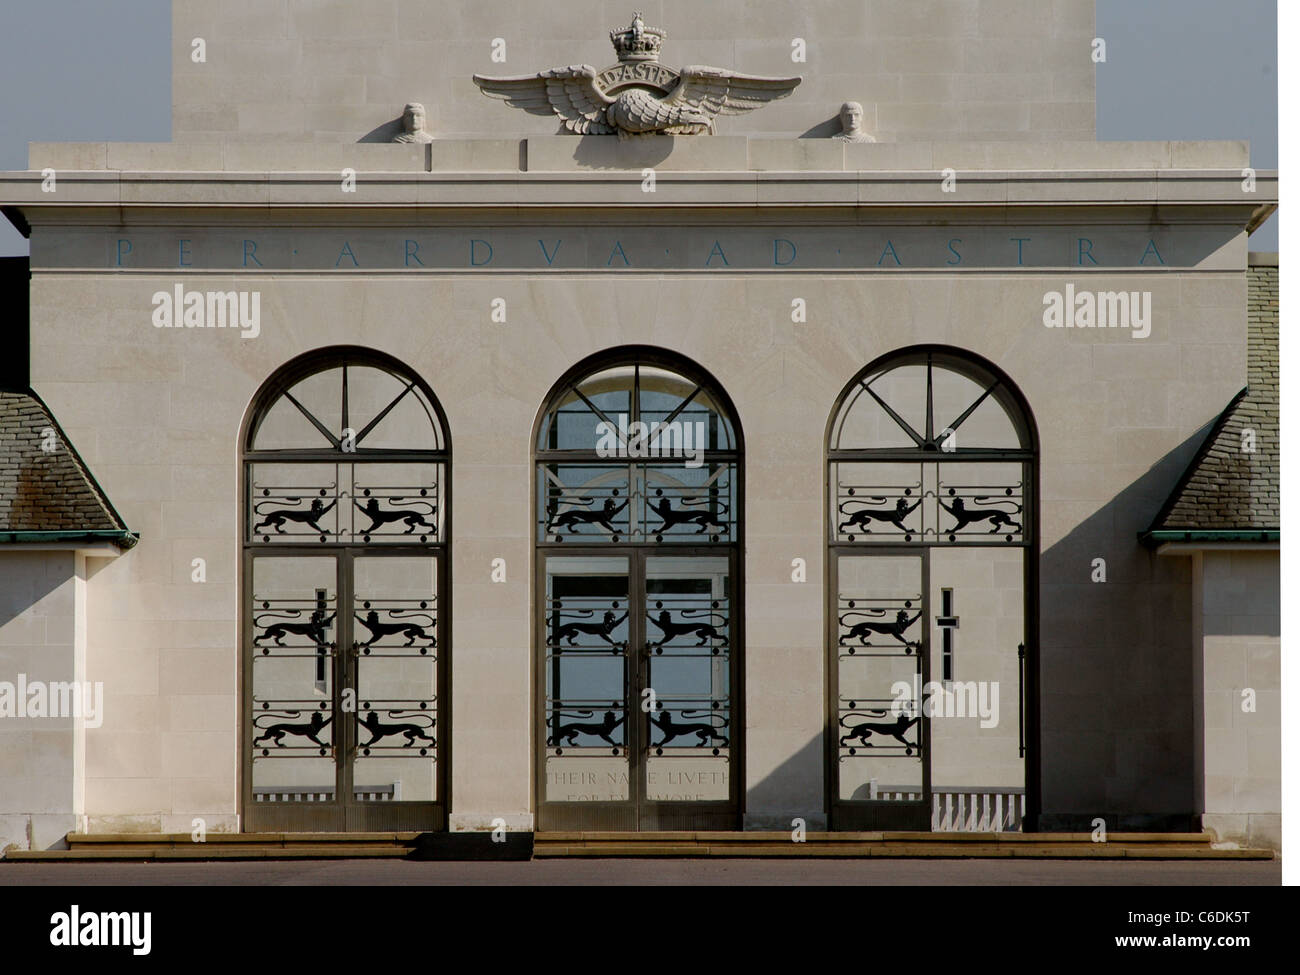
x=623 y=190
x=600 y=178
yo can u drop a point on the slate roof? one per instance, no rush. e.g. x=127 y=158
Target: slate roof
x=1226 y=488
x=48 y=490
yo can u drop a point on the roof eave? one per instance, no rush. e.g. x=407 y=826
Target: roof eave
x=1185 y=541
x=68 y=539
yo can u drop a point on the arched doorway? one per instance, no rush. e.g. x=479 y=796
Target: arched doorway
x=345 y=631
x=638 y=528
x=932 y=597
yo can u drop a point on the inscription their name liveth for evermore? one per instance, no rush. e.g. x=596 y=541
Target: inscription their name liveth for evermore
x=588 y=784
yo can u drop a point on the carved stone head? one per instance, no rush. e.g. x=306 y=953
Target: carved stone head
x=413 y=124
x=413 y=117
x=851 y=118
x=851 y=123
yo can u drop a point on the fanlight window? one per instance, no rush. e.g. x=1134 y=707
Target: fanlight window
x=636 y=453
x=350 y=408
x=930 y=447
x=929 y=401
x=349 y=448
x=663 y=401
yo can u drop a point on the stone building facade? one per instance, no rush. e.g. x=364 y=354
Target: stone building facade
x=924 y=395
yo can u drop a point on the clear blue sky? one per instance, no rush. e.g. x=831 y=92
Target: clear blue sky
x=1192 y=69
x=88 y=70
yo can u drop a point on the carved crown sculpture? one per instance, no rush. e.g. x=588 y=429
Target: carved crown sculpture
x=638 y=42
x=638 y=96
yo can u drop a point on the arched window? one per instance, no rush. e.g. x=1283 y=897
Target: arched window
x=638 y=526
x=932 y=595
x=344 y=577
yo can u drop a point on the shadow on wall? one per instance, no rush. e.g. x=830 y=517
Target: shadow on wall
x=1117 y=698
x=391 y=129
x=26 y=578
x=387 y=132
x=605 y=152
x=793 y=789
x=1116 y=681
x=824 y=130
x=37 y=799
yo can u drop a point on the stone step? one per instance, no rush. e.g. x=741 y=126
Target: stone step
x=202 y=851
x=1072 y=851
x=1161 y=846
x=259 y=839
x=703 y=843
x=783 y=836
x=227 y=846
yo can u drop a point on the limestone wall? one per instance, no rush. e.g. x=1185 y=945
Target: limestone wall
x=42 y=745
x=1240 y=665
x=341 y=71
x=156 y=414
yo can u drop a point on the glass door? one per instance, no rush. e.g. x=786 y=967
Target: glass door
x=881 y=731
x=343 y=708
x=395 y=704
x=589 y=631
x=293 y=736
x=636 y=692
x=686 y=713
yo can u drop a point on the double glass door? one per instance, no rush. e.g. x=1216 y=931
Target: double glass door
x=344 y=722
x=637 y=724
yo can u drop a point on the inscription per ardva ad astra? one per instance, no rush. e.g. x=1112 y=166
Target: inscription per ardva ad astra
x=658 y=248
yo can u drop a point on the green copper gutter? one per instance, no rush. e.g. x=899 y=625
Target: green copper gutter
x=122 y=539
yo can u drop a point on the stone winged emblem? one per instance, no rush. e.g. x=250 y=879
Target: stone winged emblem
x=638 y=96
